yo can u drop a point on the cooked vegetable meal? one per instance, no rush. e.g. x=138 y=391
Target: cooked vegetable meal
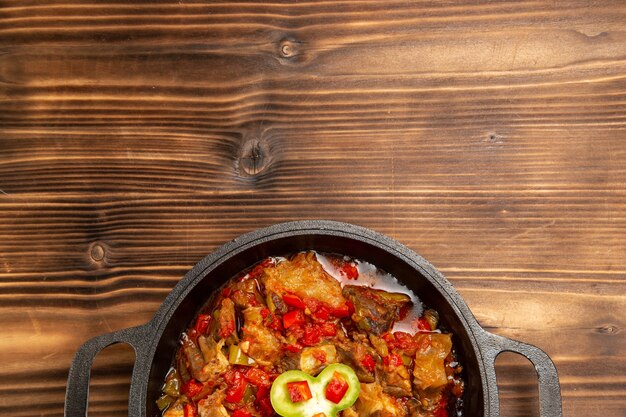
x=314 y=335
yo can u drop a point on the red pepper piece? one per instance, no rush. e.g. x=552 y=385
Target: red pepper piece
x=227 y=328
x=404 y=341
x=191 y=388
x=349 y=270
x=312 y=335
x=299 y=391
x=258 y=377
x=390 y=338
x=343 y=311
x=336 y=388
x=294 y=301
x=272 y=321
x=293 y=318
x=322 y=313
x=327 y=329
x=442 y=407
x=202 y=323
x=237 y=386
x=241 y=413
x=423 y=325
x=295 y=348
x=369 y=363
x=392 y=360
x=189 y=411
x=263 y=402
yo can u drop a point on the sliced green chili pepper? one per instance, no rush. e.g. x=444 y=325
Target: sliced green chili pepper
x=172 y=384
x=164 y=401
x=237 y=357
x=319 y=402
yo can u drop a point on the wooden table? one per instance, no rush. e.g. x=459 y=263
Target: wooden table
x=136 y=137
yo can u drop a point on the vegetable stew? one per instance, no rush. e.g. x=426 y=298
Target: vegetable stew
x=307 y=313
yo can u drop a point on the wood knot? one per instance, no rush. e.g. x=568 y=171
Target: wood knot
x=608 y=329
x=97 y=252
x=290 y=51
x=254 y=157
x=495 y=138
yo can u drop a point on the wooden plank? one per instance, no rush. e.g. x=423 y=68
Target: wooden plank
x=487 y=136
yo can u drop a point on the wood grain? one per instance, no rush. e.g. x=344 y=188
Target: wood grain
x=136 y=137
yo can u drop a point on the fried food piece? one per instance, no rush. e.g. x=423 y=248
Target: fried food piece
x=305 y=277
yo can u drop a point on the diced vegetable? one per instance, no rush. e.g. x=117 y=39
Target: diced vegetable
x=293 y=318
x=369 y=363
x=172 y=384
x=190 y=410
x=392 y=360
x=237 y=357
x=432 y=317
x=227 y=319
x=194 y=358
x=349 y=270
x=202 y=323
x=423 y=325
x=237 y=385
x=275 y=303
x=241 y=413
x=192 y=388
x=164 y=401
x=293 y=301
x=299 y=391
x=336 y=388
x=259 y=377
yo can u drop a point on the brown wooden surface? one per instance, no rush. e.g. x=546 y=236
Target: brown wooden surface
x=489 y=137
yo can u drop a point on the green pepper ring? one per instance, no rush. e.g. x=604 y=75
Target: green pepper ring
x=281 y=401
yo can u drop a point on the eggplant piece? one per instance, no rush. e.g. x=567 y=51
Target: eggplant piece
x=275 y=303
x=194 y=357
x=289 y=361
x=375 y=310
x=182 y=365
x=228 y=322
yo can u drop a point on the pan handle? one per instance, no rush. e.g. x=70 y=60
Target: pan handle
x=548 y=379
x=77 y=393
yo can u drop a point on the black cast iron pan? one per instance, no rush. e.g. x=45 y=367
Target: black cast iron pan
x=155 y=342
